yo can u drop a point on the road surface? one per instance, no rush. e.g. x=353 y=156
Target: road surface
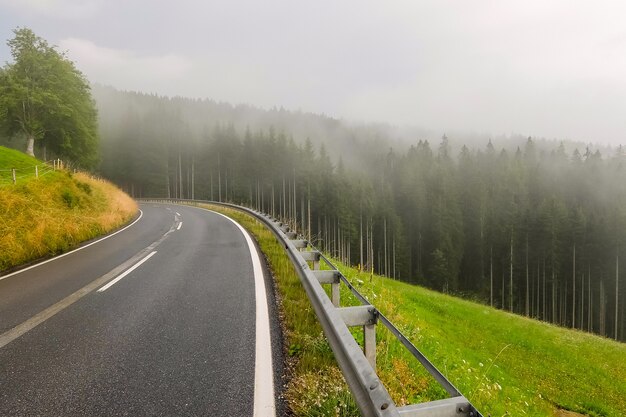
x=165 y=318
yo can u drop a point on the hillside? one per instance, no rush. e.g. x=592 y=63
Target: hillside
x=55 y=212
x=505 y=364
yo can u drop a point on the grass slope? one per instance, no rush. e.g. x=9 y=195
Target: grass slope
x=55 y=212
x=505 y=364
x=12 y=159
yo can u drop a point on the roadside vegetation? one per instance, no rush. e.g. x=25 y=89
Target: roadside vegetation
x=54 y=213
x=505 y=364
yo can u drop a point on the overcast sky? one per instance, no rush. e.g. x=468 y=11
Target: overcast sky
x=544 y=68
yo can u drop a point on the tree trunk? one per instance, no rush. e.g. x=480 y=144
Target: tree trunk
x=616 y=291
x=544 y=290
x=394 y=256
x=553 y=297
x=538 y=303
x=574 y=289
x=180 y=177
x=361 y=238
x=167 y=178
x=30 y=146
x=589 y=312
x=273 y=212
x=284 y=208
x=385 y=270
x=219 y=179
x=582 y=301
x=527 y=281
x=511 y=279
x=602 y=308
x=193 y=178
x=491 y=275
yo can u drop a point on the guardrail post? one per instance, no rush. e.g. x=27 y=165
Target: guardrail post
x=335 y=294
x=36 y=171
x=312 y=256
x=14 y=178
x=369 y=343
x=367 y=317
x=332 y=278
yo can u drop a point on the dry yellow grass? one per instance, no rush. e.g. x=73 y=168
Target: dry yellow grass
x=52 y=214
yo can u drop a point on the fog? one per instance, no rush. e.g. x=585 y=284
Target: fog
x=554 y=69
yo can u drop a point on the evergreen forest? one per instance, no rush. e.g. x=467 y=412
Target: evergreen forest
x=532 y=226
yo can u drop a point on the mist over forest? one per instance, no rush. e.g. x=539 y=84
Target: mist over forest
x=529 y=225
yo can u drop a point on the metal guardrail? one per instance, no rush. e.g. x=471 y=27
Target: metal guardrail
x=357 y=365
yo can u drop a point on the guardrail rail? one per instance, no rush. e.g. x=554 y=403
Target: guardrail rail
x=357 y=365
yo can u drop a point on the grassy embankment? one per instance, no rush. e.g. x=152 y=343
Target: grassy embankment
x=55 y=212
x=505 y=364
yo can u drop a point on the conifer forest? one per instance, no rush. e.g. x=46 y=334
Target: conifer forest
x=535 y=227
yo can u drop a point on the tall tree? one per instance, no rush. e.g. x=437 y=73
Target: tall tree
x=46 y=99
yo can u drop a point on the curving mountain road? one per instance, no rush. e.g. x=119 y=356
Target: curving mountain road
x=167 y=317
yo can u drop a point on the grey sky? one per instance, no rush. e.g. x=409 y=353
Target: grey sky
x=543 y=68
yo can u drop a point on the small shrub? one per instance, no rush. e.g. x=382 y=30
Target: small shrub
x=70 y=199
x=295 y=349
x=84 y=186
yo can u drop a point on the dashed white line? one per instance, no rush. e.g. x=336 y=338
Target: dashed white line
x=179 y=225
x=177 y=213
x=128 y=271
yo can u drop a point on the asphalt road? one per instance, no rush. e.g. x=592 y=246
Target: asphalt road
x=176 y=335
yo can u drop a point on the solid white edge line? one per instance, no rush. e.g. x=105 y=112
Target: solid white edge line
x=72 y=251
x=179 y=225
x=128 y=271
x=264 y=405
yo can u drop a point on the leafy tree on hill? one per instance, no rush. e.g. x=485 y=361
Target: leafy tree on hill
x=47 y=100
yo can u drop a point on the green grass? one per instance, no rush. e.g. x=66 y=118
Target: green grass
x=55 y=212
x=22 y=163
x=505 y=364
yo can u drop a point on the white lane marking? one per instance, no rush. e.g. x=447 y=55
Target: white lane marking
x=72 y=251
x=177 y=213
x=179 y=225
x=24 y=327
x=263 y=369
x=128 y=271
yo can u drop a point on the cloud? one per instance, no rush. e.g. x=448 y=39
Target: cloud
x=553 y=68
x=124 y=68
x=66 y=9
